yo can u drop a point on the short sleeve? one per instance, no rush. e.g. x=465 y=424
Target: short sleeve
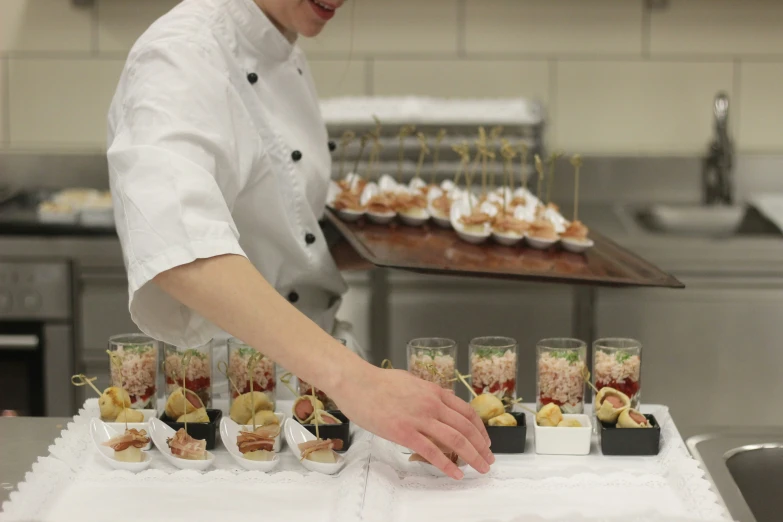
x=174 y=178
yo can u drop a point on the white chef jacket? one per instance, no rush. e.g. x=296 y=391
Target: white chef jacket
x=217 y=146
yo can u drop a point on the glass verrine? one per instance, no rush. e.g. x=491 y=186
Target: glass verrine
x=560 y=374
x=433 y=359
x=493 y=367
x=198 y=378
x=239 y=367
x=617 y=363
x=137 y=372
x=305 y=388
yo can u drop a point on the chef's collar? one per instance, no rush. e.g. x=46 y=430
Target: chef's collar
x=259 y=29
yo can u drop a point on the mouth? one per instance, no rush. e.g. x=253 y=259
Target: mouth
x=324 y=10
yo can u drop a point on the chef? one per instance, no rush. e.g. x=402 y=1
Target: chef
x=219 y=163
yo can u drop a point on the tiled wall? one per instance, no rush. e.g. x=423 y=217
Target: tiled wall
x=616 y=77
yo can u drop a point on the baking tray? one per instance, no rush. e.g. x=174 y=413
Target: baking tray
x=433 y=250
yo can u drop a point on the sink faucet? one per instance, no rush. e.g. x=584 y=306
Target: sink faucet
x=717 y=168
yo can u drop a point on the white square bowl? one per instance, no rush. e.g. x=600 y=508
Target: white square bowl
x=565 y=441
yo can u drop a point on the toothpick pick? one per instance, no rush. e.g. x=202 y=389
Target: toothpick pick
x=117 y=361
x=405 y=131
x=82 y=380
x=362 y=145
x=468 y=386
x=436 y=156
x=345 y=141
x=223 y=368
x=576 y=161
x=540 y=169
x=524 y=153
x=424 y=151
x=494 y=134
x=552 y=160
x=286 y=380
x=586 y=377
x=386 y=364
x=251 y=368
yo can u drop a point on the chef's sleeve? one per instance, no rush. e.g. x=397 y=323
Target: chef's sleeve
x=174 y=170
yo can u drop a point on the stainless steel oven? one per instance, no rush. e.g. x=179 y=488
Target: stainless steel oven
x=36 y=338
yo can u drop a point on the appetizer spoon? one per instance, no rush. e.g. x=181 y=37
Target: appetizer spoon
x=119 y=427
x=159 y=432
x=575 y=245
x=228 y=434
x=100 y=432
x=296 y=434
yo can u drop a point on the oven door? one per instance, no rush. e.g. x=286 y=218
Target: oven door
x=22 y=385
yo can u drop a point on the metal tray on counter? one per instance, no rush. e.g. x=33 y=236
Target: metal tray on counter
x=430 y=249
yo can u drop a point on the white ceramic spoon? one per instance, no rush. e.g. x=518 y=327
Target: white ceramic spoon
x=159 y=432
x=296 y=434
x=228 y=434
x=100 y=432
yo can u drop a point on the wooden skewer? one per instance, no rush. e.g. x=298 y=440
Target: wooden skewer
x=468 y=386
x=223 y=368
x=494 y=134
x=345 y=141
x=286 y=380
x=436 y=156
x=405 y=131
x=586 y=377
x=464 y=153
x=552 y=160
x=362 y=145
x=524 y=153
x=424 y=151
x=508 y=153
x=576 y=161
x=540 y=169
x=82 y=380
x=117 y=361
x=251 y=368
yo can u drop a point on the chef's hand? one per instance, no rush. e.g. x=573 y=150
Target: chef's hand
x=409 y=411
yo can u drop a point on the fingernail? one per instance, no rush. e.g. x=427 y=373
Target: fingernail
x=491 y=458
x=459 y=475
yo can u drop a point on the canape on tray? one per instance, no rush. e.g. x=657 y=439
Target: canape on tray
x=198 y=377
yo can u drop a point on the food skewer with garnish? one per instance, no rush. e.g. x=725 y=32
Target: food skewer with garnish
x=379 y=198
x=352 y=182
x=345 y=197
x=473 y=221
x=439 y=200
x=114 y=402
x=494 y=136
x=551 y=211
x=182 y=445
x=308 y=408
x=411 y=205
x=258 y=444
x=609 y=403
x=542 y=234
x=507 y=228
x=574 y=238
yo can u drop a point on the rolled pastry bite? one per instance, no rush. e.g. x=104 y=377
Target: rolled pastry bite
x=575 y=230
x=324 y=417
x=127 y=447
x=487 y=406
x=129 y=415
x=631 y=418
x=569 y=423
x=505 y=419
x=305 y=407
x=542 y=228
x=200 y=415
x=177 y=405
x=186 y=447
x=549 y=415
x=610 y=403
x=320 y=450
x=245 y=406
x=258 y=445
x=112 y=402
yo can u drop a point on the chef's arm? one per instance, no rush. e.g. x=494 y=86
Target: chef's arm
x=228 y=291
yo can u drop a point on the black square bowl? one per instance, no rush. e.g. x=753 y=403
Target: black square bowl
x=631 y=441
x=199 y=430
x=334 y=431
x=509 y=439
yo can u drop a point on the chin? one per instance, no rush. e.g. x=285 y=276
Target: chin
x=310 y=30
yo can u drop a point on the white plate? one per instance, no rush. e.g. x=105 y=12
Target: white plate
x=565 y=441
x=381 y=219
x=470 y=237
x=576 y=246
x=100 y=432
x=159 y=432
x=349 y=215
x=539 y=242
x=296 y=434
x=228 y=434
x=148 y=414
x=413 y=220
x=507 y=239
x=441 y=222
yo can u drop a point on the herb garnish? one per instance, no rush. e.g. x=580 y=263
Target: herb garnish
x=621 y=357
x=568 y=355
x=486 y=353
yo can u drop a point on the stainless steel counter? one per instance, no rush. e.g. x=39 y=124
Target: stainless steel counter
x=24 y=439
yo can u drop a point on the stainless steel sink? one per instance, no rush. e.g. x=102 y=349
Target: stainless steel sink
x=746 y=468
x=714 y=221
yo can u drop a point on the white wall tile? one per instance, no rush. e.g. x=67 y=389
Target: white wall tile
x=339 y=77
x=463 y=78
x=636 y=107
x=761 y=118
x=44 y=25
x=724 y=27
x=383 y=26
x=61 y=103
x=120 y=23
x=555 y=26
